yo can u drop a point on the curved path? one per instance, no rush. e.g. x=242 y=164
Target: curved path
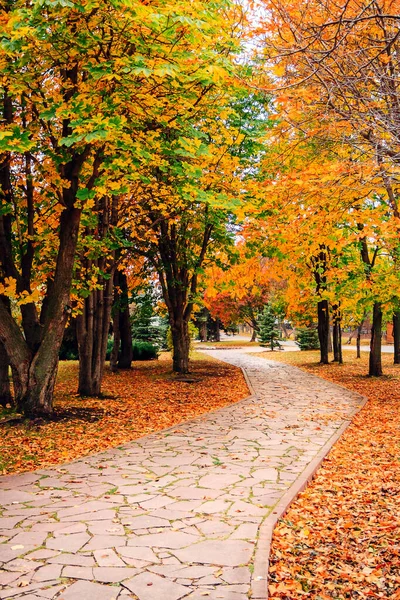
x=176 y=514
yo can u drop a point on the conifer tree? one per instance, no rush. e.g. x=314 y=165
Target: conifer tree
x=268 y=333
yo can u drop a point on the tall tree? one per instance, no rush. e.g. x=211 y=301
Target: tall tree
x=81 y=86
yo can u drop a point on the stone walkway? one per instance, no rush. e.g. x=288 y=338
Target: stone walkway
x=175 y=514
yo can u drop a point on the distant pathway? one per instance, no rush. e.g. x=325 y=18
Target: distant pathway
x=175 y=514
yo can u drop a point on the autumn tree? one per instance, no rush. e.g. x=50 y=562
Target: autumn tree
x=237 y=292
x=82 y=85
x=337 y=66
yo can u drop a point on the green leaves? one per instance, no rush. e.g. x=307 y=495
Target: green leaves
x=15 y=140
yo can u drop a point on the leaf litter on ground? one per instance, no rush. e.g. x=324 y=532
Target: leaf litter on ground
x=341 y=537
x=135 y=403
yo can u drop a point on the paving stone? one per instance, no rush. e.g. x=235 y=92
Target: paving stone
x=7 y=577
x=99 y=542
x=113 y=574
x=138 y=552
x=105 y=527
x=47 y=573
x=67 y=530
x=51 y=592
x=163 y=540
x=217 y=552
x=42 y=554
x=22 y=565
x=236 y=575
x=76 y=560
x=68 y=543
x=108 y=558
x=194 y=572
x=149 y=586
x=75 y=572
x=145 y=521
x=86 y=590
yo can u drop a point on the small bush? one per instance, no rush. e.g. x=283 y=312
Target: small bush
x=143 y=350
x=307 y=339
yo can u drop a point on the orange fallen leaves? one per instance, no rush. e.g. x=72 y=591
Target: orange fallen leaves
x=145 y=399
x=351 y=509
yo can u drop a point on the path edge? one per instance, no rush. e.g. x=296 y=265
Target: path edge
x=259 y=578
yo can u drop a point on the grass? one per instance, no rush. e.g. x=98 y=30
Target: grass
x=226 y=344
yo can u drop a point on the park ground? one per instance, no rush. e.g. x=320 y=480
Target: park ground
x=341 y=536
x=137 y=402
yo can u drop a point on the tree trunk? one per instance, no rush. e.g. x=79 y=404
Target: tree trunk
x=358 y=342
x=396 y=338
x=93 y=324
x=323 y=330
x=203 y=331
x=34 y=372
x=337 y=335
x=116 y=335
x=5 y=391
x=330 y=345
x=217 y=330
x=253 y=336
x=92 y=328
x=375 y=355
x=181 y=345
x=125 y=330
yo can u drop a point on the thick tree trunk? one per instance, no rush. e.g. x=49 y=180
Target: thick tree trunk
x=34 y=373
x=253 y=336
x=5 y=391
x=323 y=330
x=396 y=338
x=375 y=355
x=181 y=345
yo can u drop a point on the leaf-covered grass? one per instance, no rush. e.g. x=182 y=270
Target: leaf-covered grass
x=226 y=344
x=136 y=402
x=341 y=537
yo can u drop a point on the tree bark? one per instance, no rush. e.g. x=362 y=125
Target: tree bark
x=92 y=331
x=358 y=341
x=217 y=330
x=125 y=330
x=5 y=390
x=323 y=330
x=253 y=336
x=93 y=324
x=203 y=331
x=337 y=335
x=396 y=338
x=181 y=345
x=116 y=332
x=375 y=355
